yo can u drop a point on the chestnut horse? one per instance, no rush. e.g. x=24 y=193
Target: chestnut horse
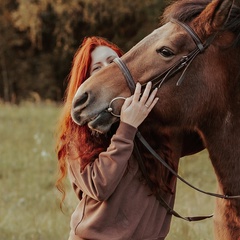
x=200 y=92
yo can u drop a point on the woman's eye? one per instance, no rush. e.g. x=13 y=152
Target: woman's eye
x=110 y=61
x=165 y=52
x=96 y=68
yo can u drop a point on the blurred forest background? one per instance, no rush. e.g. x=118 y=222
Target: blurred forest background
x=38 y=39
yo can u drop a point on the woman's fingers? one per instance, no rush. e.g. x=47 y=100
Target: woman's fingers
x=146 y=98
x=127 y=102
x=153 y=103
x=151 y=98
x=137 y=93
x=135 y=108
x=146 y=92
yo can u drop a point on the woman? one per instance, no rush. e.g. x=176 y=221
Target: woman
x=114 y=200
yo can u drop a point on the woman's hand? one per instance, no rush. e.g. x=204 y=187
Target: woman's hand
x=135 y=108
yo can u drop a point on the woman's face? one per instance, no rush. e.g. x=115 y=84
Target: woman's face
x=101 y=57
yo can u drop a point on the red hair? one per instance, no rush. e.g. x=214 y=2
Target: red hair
x=87 y=146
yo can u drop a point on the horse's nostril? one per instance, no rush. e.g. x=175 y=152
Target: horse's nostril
x=80 y=100
x=75 y=117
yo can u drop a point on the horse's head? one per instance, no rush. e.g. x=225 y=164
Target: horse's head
x=157 y=58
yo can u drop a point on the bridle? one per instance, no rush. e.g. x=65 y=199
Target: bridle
x=182 y=64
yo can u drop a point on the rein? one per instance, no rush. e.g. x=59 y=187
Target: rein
x=183 y=63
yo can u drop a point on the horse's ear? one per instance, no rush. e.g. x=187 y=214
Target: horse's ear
x=222 y=11
x=214 y=16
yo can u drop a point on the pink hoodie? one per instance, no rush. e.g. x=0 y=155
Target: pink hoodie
x=114 y=203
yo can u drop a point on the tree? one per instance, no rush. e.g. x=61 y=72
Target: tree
x=40 y=38
x=6 y=53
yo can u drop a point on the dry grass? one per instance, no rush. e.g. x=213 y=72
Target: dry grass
x=197 y=170
x=29 y=207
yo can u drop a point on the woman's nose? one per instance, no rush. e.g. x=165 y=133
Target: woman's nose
x=105 y=64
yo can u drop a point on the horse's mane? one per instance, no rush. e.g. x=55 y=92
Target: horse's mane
x=187 y=10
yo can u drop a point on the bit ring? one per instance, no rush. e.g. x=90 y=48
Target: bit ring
x=110 y=109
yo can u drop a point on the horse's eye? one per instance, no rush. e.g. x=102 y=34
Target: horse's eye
x=165 y=52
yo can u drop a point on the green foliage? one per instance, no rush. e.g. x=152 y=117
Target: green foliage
x=29 y=203
x=39 y=39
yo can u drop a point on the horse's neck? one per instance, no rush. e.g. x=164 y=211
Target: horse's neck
x=225 y=155
x=165 y=141
x=223 y=145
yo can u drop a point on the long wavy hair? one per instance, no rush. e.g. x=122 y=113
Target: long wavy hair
x=87 y=146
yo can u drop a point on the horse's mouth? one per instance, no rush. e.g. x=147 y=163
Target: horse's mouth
x=101 y=122
x=93 y=119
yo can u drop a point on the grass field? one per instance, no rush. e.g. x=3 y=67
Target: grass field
x=29 y=202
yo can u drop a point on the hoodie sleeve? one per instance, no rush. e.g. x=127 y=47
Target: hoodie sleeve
x=100 y=178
